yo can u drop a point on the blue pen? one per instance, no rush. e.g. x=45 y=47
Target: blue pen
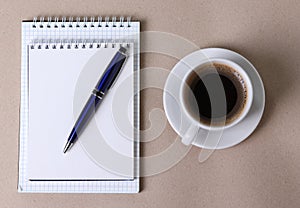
x=107 y=79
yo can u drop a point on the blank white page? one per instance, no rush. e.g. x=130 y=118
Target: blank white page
x=60 y=82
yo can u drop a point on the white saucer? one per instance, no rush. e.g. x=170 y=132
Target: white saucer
x=230 y=136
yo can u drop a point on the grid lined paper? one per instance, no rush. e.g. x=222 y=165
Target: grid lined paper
x=55 y=33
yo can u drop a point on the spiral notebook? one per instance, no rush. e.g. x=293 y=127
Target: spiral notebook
x=62 y=60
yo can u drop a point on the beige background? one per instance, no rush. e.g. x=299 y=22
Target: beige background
x=263 y=171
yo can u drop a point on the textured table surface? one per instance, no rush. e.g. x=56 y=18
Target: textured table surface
x=262 y=171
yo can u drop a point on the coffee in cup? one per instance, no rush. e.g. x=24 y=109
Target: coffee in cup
x=216 y=94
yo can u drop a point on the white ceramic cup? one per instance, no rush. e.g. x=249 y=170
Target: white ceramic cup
x=195 y=124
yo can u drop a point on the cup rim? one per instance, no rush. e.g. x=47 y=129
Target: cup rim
x=249 y=91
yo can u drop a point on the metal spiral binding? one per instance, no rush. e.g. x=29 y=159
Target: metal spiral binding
x=73 y=44
x=121 y=21
x=77 y=22
x=63 y=22
x=42 y=22
x=56 y=22
x=49 y=21
x=114 y=19
x=70 y=22
x=106 y=21
x=99 y=21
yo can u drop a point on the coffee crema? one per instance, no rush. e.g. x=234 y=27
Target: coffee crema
x=216 y=94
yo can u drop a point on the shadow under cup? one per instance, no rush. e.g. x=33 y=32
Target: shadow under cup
x=217 y=94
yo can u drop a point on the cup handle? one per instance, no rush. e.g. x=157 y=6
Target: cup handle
x=190 y=135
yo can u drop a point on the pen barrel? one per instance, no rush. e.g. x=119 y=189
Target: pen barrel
x=111 y=72
x=86 y=114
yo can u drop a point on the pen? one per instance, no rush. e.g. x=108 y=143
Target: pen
x=104 y=84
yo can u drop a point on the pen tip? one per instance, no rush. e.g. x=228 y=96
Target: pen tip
x=67 y=146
